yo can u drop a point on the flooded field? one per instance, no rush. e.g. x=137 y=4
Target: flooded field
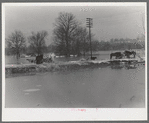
x=101 y=55
x=88 y=88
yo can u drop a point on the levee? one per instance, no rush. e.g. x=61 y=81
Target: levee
x=50 y=67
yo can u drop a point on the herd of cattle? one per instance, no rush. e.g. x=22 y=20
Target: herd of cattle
x=40 y=59
x=119 y=55
x=49 y=59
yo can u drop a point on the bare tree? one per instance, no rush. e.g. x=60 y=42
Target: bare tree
x=80 y=39
x=37 y=41
x=65 y=27
x=16 y=42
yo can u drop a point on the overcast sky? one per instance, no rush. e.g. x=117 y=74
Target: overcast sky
x=108 y=21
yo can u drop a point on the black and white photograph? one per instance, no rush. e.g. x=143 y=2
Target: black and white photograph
x=82 y=59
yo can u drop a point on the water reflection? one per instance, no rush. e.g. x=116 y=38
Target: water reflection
x=126 y=65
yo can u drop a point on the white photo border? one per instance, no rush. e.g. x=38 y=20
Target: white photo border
x=69 y=114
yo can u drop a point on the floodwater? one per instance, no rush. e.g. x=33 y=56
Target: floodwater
x=101 y=55
x=88 y=88
x=83 y=88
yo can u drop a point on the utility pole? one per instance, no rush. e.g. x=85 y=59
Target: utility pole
x=89 y=24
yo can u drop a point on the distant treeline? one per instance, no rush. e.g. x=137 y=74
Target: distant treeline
x=118 y=44
x=113 y=44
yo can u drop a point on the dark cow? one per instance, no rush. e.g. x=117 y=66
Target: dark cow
x=128 y=53
x=39 y=59
x=93 y=58
x=118 y=55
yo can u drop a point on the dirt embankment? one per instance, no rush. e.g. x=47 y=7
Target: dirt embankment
x=27 y=69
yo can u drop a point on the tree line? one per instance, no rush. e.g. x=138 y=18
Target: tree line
x=69 y=37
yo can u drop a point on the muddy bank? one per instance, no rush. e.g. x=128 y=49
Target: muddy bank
x=31 y=69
